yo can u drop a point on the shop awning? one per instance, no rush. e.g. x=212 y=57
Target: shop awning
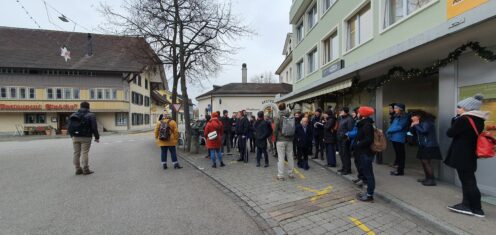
x=329 y=89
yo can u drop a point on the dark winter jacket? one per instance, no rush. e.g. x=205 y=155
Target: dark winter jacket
x=345 y=125
x=227 y=123
x=242 y=126
x=316 y=124
x=329 y=132
x=462 y=152
x=91 y=118
x=365 y=137
x=426 y=133
x=263 y=130
x=304 y=139
x=398 y=129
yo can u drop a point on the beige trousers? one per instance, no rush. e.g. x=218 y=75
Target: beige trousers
x=81 y=147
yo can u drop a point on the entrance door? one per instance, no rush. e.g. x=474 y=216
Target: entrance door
x=63 y=119
x=421 y=93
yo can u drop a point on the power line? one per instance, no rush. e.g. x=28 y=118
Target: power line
x=62 y=17
x=28 y=14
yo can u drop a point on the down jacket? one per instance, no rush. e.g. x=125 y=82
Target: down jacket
x=214 y=125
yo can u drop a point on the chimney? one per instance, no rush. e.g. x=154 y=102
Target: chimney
x=89 y=46
x=244 y=74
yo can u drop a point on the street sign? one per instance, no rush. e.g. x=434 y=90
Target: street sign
x=176 y=107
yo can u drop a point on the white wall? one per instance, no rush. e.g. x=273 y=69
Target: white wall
x=233 y=104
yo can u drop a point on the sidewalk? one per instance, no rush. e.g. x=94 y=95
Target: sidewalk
x=315 y=202
x=427 y=203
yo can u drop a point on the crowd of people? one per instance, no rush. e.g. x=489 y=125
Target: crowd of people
x=350 y=132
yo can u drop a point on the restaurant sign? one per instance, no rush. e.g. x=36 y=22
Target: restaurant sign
x=38 y=107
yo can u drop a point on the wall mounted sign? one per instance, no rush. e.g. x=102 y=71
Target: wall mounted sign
x=35 y=107
x=333 y=68
x=458 y=7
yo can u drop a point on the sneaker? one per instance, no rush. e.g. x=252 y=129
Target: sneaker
x=429 y=182
x=291 y=176
x=222 y=164
x=345 y=173
x=359 y=183
x=460 y=208
x=396 y=173
x=356 y=181
x=280 y=178
x=87 y=171
x=478 y=213
x=365 y=197
x=420 y=180
x=79 y=171
x=266 y=165
x=177 y=166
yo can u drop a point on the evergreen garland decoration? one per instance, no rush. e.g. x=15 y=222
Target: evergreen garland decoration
x=399 y=72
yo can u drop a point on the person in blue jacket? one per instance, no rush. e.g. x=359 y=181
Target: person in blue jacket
x=360 y=180
x=397 y=135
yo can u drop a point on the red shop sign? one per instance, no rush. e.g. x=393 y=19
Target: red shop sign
x=20 y=107
x=61 y=106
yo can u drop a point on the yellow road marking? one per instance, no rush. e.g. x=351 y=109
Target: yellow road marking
x=318 y=193
x=297 y=172
x=362 y=226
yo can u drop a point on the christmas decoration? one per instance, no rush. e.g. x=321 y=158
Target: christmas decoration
x=65 y=53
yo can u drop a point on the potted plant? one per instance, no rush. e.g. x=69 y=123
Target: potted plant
x=48 y=130
x=63 y=131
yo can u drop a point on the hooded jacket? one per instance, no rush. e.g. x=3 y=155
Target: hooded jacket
x=462 y=152
x=214 y=125
x=398 y=129
x=365 y=137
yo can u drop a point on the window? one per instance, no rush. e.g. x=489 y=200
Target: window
x=58 y=93
x=312 y=61
x=75 y=93
x=126 y=95
x=146 y=84
x=99 y=94
x=147 y=101
x=50 y=93
x=67 y=93
x=32 y=93
x=331 y=48
x=139 y=80
x=299 y=32
x=107 y=94
x=396 y=10
x=13 y=92
x=299 y=70
x=312 y=17
x=3 y=92
x=137 y=119
x=92 y=94
x=121 y=119
x=34 y=118
x=114 y=94
x=359 y=27
x=22 y=93
x=147 y=119
x=328 y=4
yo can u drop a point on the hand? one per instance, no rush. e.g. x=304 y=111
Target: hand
x=97 y=140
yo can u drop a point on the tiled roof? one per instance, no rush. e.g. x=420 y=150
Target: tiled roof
x=250 y=88
x=32 y=48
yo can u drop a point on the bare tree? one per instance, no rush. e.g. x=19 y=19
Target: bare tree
x=265 y=77
x=191 y=37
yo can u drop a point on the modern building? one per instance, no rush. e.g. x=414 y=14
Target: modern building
x=428 y=54
x=39 y=88
x=285 y=70
x=234 y=97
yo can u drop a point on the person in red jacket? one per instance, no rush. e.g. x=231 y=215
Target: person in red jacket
x=214 y=145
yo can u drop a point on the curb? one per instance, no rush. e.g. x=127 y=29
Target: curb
x=261 y=219
x=423 y=216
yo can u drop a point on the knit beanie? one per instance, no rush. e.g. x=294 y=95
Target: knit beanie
x=400 y=106
x=260 y=114
x=366 y=111
x=471 y=103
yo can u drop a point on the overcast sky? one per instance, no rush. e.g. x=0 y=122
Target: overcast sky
x=262 y=52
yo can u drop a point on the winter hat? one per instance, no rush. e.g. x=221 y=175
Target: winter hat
x=260 y=114
x=366 y=111
x=400 y=106
x=215 y=115
x=225 y=111
x=345 y=109
x=471 y=103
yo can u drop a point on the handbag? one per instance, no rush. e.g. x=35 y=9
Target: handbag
x=212 y=135
x=485 y=142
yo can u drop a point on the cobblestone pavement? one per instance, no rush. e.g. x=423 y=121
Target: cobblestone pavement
x=315 y=202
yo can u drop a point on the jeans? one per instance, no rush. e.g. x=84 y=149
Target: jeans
x=366 y=166
x=214 y=152
x=226 y=141
x=319 y=146
x=284 y=148
x=471 y=193
x=399 y=149
x=263 y=151
x=242 y=147
x=81 y=147
x=330 y=154
x=344 y=154
x=172 y=150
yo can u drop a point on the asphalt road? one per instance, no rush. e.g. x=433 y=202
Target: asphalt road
x=128 y=194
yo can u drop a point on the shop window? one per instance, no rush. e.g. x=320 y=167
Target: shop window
x=32 y=93
x=331 y=48
x=121 y=119
x=76 y=93
x=312 y=61
x=359 y=28
x=34 y=118
x=58 y=93
x=50 y=93
x=13 y=92
x=3 y=92
x=67 y=93
x=396 y=10
x=22 y=93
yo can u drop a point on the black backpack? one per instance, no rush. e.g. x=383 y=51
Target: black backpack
x=164 y=131
x=79 y=125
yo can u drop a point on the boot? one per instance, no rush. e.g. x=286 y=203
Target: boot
x=222 y=164
x=79 y=171
x=177 y=166
x=165 y=166
x=87 y=171
x=214 y=165
x=429 y=182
